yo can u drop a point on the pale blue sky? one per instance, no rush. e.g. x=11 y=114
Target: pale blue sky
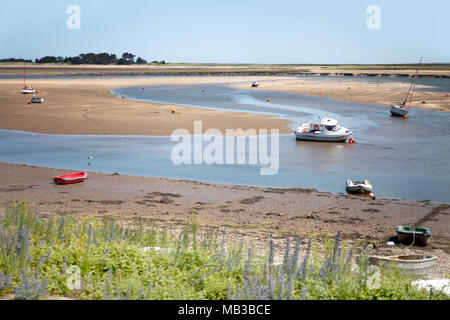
x=231 y=31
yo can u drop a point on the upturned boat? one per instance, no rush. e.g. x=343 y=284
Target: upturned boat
x=327 y=130
x=70 y=178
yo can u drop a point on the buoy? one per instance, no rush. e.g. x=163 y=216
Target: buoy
x=446 y=95
x=203 y=90
x=405 y=117
x=173 y=110
x=29 y=102
x=423 y=101
x=371 y=195
x=320 y=92
x=351 y=140
x=268 y=99
x=142 y=88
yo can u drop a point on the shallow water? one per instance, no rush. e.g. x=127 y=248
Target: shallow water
x=404 y=159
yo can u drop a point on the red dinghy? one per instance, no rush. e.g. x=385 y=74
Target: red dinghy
x=70 y=178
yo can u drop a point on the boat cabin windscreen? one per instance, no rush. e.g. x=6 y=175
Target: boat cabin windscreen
x=332 y=128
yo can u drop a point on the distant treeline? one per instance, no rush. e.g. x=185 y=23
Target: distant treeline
x=90 y=58
x=15 y=60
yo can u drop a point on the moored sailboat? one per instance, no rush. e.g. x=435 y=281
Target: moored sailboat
x=400 y=110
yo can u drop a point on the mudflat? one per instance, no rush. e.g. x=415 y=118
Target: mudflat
x=246 y=211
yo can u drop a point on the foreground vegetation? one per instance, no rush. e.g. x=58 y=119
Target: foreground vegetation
x=96 y=259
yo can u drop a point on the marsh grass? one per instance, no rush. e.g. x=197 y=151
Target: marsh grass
x=38 y=257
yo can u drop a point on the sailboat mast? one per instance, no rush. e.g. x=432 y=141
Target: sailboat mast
x=413 y=84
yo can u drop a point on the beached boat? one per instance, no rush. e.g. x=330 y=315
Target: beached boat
x=413 y=235
x=328 y=130
x=28 y=89
x=400 y=110
x=35 y=99
x=70 y=178
x=413 y=265
x=358 y=186
x=255 y=84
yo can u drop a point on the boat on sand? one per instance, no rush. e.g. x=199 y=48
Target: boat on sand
x=35 y=99
x=70 y=178
x=28 y=89
x=358 y=186
x=413 y=235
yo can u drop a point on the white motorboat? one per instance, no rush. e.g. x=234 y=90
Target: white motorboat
x=328 y=130
x=35 y=99
x=400 y=110
x=358 y=186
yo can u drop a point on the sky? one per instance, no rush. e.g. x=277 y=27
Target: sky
x=231 y=31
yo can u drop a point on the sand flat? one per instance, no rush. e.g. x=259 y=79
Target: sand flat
x=360 y=91
x=86 y=106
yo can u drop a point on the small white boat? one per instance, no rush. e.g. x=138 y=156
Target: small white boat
x=35 y=99
x=358 y=186
x=328 y=130
x=28 y=89
x=255 y=84
x=399 y=111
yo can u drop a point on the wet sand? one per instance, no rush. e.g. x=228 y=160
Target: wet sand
x=359 y=91
x=246 y=211
x=86 y=106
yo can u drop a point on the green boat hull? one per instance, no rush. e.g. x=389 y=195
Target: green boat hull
x=413 y=235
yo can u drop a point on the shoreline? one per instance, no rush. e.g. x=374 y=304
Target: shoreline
x=251 y=212
x=36 y=181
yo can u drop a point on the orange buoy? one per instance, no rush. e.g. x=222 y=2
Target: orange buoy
x=447 y=95
x=173 y=110
x=268 y=99
x=423 y=101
